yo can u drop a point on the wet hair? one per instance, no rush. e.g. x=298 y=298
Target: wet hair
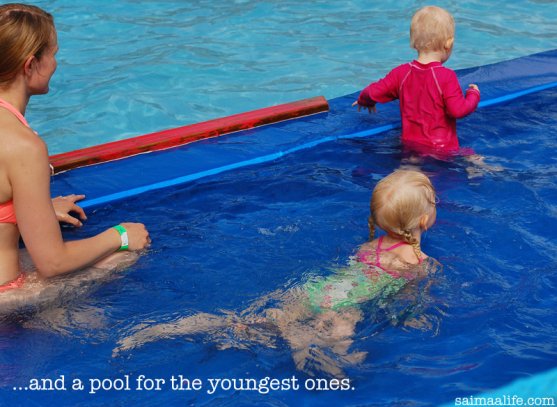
x=431 y=28
x=398 y=203
x=25 y=31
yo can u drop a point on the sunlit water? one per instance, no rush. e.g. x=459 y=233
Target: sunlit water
x=132 y=67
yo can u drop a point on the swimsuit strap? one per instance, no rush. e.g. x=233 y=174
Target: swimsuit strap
x=400 y=244
x=15 y=112
x=15 y=283
x=21 y=118
x=378 y=250
x=395 y=246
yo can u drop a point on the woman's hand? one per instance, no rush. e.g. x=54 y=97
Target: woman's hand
x=138 y=236
x=63 y=205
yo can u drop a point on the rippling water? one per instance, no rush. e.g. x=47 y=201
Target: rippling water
x=128 y=68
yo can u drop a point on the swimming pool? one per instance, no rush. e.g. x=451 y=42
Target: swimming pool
x=234 y=237
x=221 y=242
x=128 y=68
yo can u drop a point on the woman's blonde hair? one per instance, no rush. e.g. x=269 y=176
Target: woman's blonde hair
x=25 y=31
x=431 y=28
x=398 y=204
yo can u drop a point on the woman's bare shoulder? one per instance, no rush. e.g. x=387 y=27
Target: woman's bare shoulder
x=21 y=143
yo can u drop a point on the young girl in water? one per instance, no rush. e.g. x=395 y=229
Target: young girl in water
x=28 y=44
x=430 y=96
x=317 y=319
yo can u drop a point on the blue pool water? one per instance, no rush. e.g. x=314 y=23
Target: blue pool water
x=128 y=68
x=222 y=242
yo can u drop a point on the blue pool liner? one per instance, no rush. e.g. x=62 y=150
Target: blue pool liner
x=109 y=182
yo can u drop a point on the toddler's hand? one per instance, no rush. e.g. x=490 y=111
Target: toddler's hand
x=474 y=86
x=369 y=108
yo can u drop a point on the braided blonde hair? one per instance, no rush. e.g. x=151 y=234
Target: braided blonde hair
x=398 y=203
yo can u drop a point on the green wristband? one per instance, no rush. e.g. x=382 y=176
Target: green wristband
x=123 y=237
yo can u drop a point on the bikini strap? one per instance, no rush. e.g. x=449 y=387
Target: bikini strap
x=378 y=251
x=14 y=111
x=379 y=243
x=21 y=118
x=398 y=245
x=395 y=246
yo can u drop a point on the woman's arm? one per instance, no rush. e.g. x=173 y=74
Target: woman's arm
x=28 y=172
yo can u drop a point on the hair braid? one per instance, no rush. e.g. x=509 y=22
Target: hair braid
x=411 y=240
x=371 y=224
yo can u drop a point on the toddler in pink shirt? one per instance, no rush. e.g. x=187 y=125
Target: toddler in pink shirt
x=429 y=94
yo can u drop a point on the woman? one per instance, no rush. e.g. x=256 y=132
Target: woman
x=28 y=45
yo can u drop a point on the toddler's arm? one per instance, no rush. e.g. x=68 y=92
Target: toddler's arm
x=382 y=91
x=456 y=104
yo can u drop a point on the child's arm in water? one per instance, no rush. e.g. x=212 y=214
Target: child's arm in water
x=193 y=324
x=382 y=91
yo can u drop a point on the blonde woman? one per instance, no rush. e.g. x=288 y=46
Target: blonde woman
x=28 y=45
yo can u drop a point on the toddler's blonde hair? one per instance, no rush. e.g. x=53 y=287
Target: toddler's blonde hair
x=431 y=28
x=398 y=203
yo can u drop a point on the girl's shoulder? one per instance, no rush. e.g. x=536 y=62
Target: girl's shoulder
x=395 y=259
x=370 y=245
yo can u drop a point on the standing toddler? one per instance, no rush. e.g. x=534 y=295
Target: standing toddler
x=430 y=96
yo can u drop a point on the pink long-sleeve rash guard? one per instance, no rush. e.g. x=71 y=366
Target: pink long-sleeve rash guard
x=430 y=102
